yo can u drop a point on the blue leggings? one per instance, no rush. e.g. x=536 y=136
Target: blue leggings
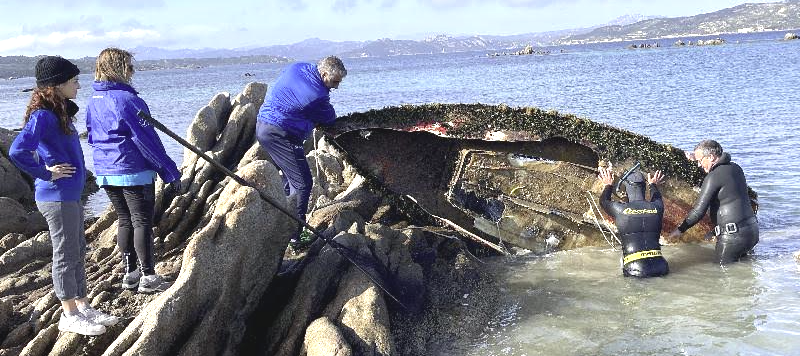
x=288 y=154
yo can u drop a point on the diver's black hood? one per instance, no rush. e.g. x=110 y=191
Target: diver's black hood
x=634 y=186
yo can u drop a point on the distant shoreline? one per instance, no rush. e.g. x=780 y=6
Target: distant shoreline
x=681 y=36
x=17 y=67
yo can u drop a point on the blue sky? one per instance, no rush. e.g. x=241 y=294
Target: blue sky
x=77 y=28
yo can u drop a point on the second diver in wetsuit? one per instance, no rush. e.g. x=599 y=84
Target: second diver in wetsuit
x=725 y=196
x=638 y=222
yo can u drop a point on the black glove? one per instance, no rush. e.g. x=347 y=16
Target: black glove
x=173 y=188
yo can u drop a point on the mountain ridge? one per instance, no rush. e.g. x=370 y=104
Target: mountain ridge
x=747 y=17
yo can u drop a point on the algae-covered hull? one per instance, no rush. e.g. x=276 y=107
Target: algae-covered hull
x=513 y=175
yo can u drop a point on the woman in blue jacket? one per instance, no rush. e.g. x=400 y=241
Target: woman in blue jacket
x=128 y=155
x=299 y=100
x=48 y=149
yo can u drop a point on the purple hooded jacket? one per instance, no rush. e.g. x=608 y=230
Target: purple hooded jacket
x=122 y=142
x=298 y=101
x=42 y=134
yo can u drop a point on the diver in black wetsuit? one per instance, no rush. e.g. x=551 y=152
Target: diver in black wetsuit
x=638 y=222
x=724 y=191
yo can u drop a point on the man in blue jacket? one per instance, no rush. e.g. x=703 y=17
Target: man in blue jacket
x=297 y=102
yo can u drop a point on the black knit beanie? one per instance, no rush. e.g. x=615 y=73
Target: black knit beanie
x=54 y=70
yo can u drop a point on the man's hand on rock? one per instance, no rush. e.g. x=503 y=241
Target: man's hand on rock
x=673 y=236
x=173 y=188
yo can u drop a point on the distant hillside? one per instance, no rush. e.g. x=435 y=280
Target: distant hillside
x=315 y=48
x=449 y=44
x=738 y=19
x=312 y=48
x=22 y=66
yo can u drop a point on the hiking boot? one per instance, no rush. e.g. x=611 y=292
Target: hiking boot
x=296 y=245
x=152 y=284
x=99 y=317
x=131 y=279
x=79 y=324
x=305 y=239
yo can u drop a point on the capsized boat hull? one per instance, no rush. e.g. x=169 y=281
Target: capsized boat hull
x=519 y=176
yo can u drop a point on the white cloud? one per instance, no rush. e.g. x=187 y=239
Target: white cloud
x=14 y=43
x=55 y=40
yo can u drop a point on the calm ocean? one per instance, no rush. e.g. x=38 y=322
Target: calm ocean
x=743 y=94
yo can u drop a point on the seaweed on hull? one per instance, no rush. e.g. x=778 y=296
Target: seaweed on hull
x=507 y=175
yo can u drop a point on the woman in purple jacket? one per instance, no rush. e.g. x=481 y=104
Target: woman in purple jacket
x=48 y=149
x=299 y=100
x=128 y=155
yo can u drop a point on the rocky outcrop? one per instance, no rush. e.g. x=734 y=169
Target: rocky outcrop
x=525 y=51
x=235 y=290
x=15 y=218
x=324 y=338
x=12 y=184
x=710 y=42
x=644 y=45
x=227 y=265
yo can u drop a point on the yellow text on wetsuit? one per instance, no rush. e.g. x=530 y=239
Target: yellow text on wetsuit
x=640 y=255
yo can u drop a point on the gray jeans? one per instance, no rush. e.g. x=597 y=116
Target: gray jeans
x=65 y=221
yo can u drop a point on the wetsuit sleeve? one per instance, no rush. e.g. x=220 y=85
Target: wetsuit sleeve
x=708 y=191
x=322 y=112
x=148 y=142
x=25 y=144
x=656 y=199
x=610 y=207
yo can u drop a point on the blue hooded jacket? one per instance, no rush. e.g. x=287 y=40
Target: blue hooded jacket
x=298 y=101
x=43 y=135
x=122 y=142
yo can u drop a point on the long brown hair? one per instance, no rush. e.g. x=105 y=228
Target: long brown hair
x=49 y=99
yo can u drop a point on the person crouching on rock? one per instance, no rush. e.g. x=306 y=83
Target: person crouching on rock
x=48 y=148
x=297 y=102
x=128 y=154
x=724 y=193
x=638 y=222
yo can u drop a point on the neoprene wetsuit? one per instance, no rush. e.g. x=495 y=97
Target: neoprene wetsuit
x=724 y=192
x=639 y=225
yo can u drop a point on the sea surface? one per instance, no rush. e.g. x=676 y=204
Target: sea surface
x=743 y=94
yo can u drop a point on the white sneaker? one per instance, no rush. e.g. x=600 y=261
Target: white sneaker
x=131 y=279
x=99 y=317
x=152 y=284
x=79 y=324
